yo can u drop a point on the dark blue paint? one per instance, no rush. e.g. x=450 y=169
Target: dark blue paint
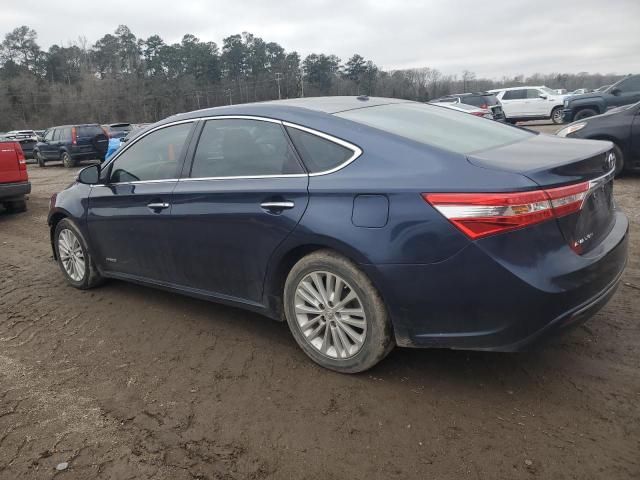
x=441 y=289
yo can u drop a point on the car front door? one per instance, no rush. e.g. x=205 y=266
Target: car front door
x=514 y=103
x=536 y=105
x=129 y=212
x=244 y=192
x=46 y=147
x=627 y=92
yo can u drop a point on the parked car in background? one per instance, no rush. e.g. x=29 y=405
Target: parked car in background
x=530 y=103
x=117 y=130
x=484 y=101
x=580 y=91
x=71 y=143
x=464 y=108
x=624 y=92
x=619 y=125
x=602 y=88
x=561 y=91
x=26 y=138
x=14 y=180
x=364 y=222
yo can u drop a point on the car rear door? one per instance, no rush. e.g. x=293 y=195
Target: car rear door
x=91 y=140
x=514 y=103
x=243 y=193
x=128 y=215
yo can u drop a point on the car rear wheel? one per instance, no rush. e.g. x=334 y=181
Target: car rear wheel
x=584 y=113
x=556 y=116
x=73 y=256
x=67 y=161
x=335 y=313
x=17 y=206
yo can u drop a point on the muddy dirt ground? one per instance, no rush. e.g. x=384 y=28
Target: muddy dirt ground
x=130 y=382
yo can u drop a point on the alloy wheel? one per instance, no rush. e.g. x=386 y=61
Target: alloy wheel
x=330 y=315
x=71 y=255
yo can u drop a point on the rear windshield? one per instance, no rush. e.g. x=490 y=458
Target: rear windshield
x=480 y=100
x=89 y=131
x=441 y=127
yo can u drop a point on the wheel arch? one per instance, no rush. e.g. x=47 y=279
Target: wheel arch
x=54 y=219
x=283 y=261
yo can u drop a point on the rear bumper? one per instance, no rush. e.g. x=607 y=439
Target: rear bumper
x=497 y=295
x=14 y=190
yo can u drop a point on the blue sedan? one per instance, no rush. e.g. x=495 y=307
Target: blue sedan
x=363 y=222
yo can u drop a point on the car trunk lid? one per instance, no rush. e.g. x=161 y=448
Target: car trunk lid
x=555 y=162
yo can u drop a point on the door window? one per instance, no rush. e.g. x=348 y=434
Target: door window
x=318 y=154
x=153 y=157
x=520 y=94
x=56 y=134
x=533 y=93
x=48 y=136
x=243 y=148
x=630 y=85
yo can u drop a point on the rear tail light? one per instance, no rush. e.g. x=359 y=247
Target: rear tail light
x=484 y=105
x=479 y=215
x=22 y=161
x=478 y=114
x=74 y=136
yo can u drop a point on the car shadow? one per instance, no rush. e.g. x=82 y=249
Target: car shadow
x=419 y=367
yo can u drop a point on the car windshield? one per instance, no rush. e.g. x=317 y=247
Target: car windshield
x=437 y=126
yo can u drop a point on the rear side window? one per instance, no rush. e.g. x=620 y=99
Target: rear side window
x=65 y=136
x=515 y=94
x=153 y=157
x=90 y=131
x=437 y=126
x=480 y=100
x=318 y=154
x=243 y=148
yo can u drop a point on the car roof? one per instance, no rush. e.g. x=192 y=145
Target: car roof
x=291 y=107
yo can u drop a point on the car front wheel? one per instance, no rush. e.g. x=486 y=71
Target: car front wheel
x=335 y=313
x=39 y=158
x=73 y=256
x=584 y=113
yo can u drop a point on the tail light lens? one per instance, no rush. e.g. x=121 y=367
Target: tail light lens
x=22 y=161
x=74 y=135
x=479 y=215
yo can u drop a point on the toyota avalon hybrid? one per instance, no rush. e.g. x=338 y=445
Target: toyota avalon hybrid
x=364 y=223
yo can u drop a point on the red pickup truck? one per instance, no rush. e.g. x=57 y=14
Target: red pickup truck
x=14 y=181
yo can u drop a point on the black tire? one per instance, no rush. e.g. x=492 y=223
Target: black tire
x=16 y=206
x=584 y=113
x=378 y=340
x=90 y=276
x=67 y=161
x=619 y=160
x=556 y=116
x=39 y=158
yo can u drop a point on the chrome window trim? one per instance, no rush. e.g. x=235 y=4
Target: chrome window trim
x=356 y=150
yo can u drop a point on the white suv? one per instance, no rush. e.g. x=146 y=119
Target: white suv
x=530 y=103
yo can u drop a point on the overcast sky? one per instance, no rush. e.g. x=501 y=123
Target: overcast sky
x=491 y=38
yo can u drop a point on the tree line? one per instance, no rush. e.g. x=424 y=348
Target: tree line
x=125 y=78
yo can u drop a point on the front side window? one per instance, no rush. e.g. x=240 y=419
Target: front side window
x=56 y=134
x=318 y=154
x=437 y=126
x=534 y=93
x=48 y=135
x=630 y=85
x=153 y=157
x=243 y=148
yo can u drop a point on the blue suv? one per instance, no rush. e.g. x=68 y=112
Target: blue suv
x=71 y=143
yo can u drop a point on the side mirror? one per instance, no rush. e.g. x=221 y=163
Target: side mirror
x=90 y=175
x=544 y=97
x=616 y=91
